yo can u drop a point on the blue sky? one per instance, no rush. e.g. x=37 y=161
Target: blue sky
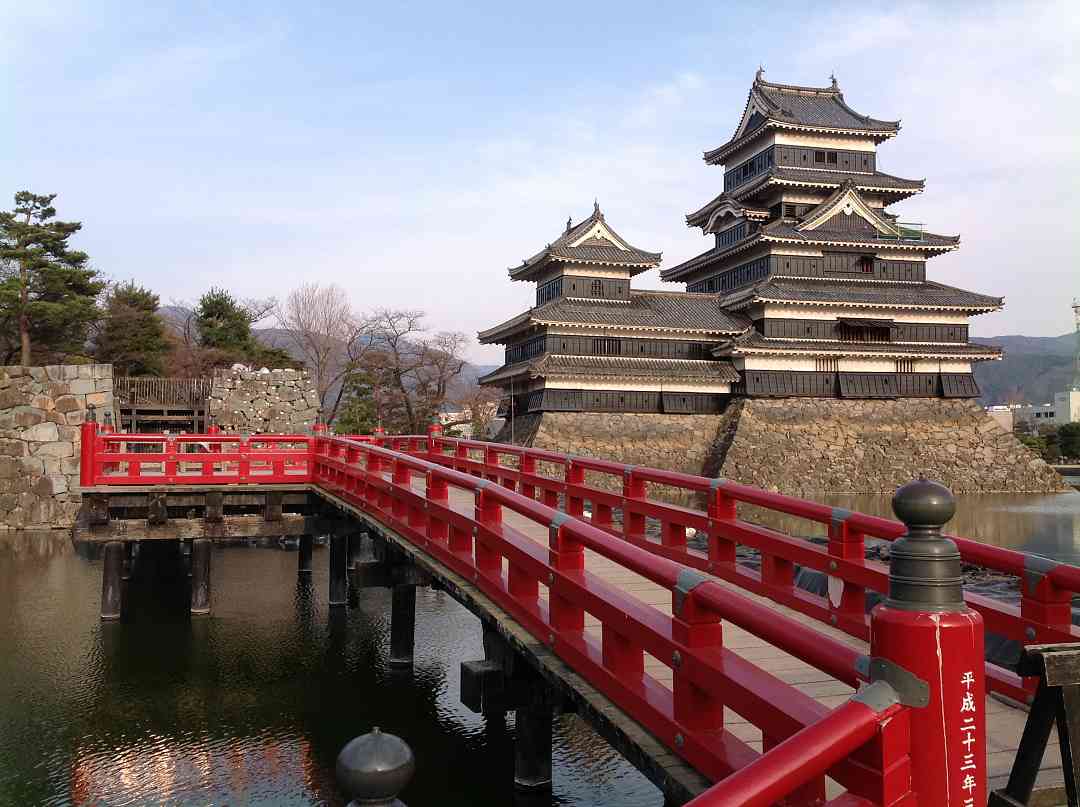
x=410 y=153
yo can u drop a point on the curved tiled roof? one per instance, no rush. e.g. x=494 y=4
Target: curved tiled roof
x=927 y=294
x=812 y=107
x=754 y=341
x=593 y=250
x=551 y=365
x=669 y=310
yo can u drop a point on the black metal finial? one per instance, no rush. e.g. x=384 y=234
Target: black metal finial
x=91 y=413
x=596 y=206
x=925 y=572
x=569 y=224
x=832 y=79
x=374 y=768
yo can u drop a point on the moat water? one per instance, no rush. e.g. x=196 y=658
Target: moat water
x=252 y=704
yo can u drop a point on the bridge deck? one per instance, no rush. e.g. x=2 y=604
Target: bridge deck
x=1005 y=721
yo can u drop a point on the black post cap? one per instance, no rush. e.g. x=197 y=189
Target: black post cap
x=923 y=503
x=925 y=572
x=374 y=768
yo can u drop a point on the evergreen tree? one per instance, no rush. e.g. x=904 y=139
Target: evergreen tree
x=223 y=323
x=47 y=294
x=1068 y=436
x=132 y=337
x=357 y=414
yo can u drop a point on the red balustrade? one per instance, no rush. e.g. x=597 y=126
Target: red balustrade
x=1047 y=588
x=548 y=590
x=405 y=483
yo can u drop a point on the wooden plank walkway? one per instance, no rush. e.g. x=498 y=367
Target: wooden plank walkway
x=1005 y=721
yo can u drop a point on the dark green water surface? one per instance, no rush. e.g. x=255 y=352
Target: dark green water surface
x=252 y=704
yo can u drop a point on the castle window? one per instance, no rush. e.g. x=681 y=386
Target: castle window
x=819 y=157
x=905 y=365
x=827 y=365
x=790 y=211
x=866 y=264
x=597 y=288
x=831 y=158
x=606 y=346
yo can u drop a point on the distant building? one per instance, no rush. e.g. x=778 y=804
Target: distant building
x=812 y=288
x=1064 y=409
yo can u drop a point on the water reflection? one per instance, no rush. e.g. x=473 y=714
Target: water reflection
x=1044 y=524
x=252 y=704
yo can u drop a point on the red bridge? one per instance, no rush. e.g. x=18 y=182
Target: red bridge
x=702 y=661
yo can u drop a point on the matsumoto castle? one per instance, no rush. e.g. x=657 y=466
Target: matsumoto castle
x=810 y=287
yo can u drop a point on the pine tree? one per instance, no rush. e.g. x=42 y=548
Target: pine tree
x=132 y=337
x=47 y=294
x=357 y=414
x=223 y=323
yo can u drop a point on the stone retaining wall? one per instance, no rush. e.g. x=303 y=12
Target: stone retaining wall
x=268 y=402
x=809 y=446
x=41 y=410
x=805 y=446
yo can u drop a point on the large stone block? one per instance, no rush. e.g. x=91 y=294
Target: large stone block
x=68 y=403
x=42 y=433
x=56 y=449
x=11 y=397
x=81 y=386
x=13 y=448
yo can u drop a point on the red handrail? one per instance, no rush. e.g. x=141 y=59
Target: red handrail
x=1044 y=614
x=688 y=715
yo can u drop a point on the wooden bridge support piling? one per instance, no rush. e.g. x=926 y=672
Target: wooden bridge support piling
x=303 y=562
x=112 y=586
x=532 y=746
x=339 y=572
x=402 y=625
x=200 y=576
x=129 y=560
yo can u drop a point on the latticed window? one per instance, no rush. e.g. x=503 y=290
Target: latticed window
x=596 y=288
x=827 y=365
x=905 y=365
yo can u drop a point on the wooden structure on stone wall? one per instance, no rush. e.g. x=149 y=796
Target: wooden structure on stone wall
x=812 y=286
x=162 y=404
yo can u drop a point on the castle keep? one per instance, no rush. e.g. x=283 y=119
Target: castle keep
x=806 y=330
x=812 y=287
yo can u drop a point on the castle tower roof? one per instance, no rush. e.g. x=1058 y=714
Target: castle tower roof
x=591 y=241
x=788 y=106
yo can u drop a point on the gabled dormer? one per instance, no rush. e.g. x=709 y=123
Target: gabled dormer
x=588 y=261
x=847 y=211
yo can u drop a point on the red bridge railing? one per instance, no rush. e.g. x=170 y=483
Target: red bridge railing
x=868 y=745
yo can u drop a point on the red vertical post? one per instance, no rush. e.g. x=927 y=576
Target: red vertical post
x=847 y=601
x=633 y=491
x=693 y=626
x=87 y=453
x=925 y=628
x=488 y=513
x=721 y=510
x=575 y=476
x=527 y=466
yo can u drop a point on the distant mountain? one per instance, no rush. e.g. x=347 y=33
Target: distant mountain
x=1034 y=368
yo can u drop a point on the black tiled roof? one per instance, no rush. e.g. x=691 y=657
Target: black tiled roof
x=674 y=310
x=927 y=294
x=755 y=341
x=594 y=250
x=550 y=365
x=879 y=180
x=908 y=238
x=819 y=107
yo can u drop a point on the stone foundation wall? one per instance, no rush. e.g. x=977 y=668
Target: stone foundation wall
x=806 y=446
x=41 y=410
x=672 y=442
x=271 y=401
x=809 y=446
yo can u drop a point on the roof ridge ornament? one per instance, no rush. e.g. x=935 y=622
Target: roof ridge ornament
x=569 y=224
x=760 y=74
x=833 y=85
x=596 y=207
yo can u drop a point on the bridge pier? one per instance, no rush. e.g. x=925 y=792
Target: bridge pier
x=129 y=560
x=402 y=625
x=112 y=586
x=339 y=572
x=357 y=546
x=303 y=563
x=501 y=682
x=200 y=576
